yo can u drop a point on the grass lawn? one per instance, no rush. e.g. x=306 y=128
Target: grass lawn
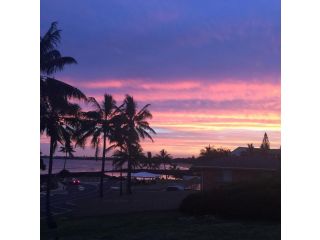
x=159 y=225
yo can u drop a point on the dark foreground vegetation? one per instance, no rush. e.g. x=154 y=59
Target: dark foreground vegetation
x=259 y=200
x=159 y=225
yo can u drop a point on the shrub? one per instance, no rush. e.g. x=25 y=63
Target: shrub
x=248 y=200
x=64 y=173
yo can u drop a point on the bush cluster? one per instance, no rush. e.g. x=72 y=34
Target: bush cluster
x=64 y=173
x=259 y=200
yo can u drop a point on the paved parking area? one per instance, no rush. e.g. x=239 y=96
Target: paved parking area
x=63 y=201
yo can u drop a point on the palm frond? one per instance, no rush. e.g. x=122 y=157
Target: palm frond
x=57 y=89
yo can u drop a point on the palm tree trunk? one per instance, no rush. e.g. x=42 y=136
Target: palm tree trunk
x=103 y=164
x=65 y=160
x=50 y=222
x=128 y=189
x=164 y=167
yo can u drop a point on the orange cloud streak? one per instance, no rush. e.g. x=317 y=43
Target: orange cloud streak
x=183 y=132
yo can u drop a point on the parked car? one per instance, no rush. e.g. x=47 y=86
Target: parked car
x=175 y=188
x=75 y=181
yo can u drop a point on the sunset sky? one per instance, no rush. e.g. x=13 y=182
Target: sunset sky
x=210 y=69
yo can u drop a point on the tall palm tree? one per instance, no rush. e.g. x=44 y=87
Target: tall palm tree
x=51 y=60
x=135 y=127
x=58 y=124
x=53 y=91
x=68 y=149
x=164 y=158
x=99 y=124
x=57 y=113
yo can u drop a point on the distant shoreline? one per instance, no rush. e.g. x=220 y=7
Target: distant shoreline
x=78 y=158
x=110 y=159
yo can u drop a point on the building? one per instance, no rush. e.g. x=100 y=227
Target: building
x=235 y=169
x=240 y=151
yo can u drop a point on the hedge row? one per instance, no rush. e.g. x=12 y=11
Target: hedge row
x=260 y=200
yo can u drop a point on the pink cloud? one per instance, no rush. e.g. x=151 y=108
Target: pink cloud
x=186 y=90
x=183 y=132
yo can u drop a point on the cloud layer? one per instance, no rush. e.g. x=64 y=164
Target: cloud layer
x=210 y=69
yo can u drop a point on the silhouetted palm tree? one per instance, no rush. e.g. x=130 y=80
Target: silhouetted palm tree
x=58 y=124
x=57 y=113
x=68 y=150
x=100 y=124
x=122 y=156
x=53 y=91
x=51 y=60
x=164 y=158
x=135 y=127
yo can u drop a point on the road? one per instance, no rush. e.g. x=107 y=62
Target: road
x=62 y=202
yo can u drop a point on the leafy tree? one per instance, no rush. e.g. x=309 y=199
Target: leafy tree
x=207 y=152
x=210 y=153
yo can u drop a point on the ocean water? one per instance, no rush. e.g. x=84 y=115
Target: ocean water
x=83 y=165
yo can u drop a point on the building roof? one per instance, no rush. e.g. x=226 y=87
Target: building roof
x=253 y=163
x=237 y=151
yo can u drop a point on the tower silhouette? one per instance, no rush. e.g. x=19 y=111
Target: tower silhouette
x=265 y=142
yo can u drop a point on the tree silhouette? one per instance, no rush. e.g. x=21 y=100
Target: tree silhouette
x=134 y=128
x=265 y=143
x=122 y=156
x=51 y=60
x=68 y=150
x=207 y=152
x=58 y=116
x=250 y=148
x=151 y=162
x=99 y=124
x=210 y=153
x=165 y=158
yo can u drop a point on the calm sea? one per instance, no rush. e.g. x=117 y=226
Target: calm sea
x=74 y=165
